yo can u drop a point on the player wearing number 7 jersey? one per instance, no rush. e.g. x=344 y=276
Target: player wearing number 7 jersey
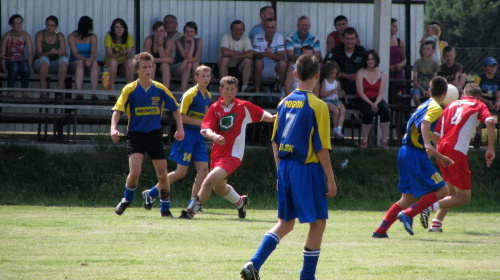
x=417 y=175
x=454 y=131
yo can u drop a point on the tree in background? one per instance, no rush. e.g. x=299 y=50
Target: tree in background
x=467 y=23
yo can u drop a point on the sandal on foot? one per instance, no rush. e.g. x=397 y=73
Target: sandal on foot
x=364 y=145
x=94 y=97
x=384 y=144
x=79 y=97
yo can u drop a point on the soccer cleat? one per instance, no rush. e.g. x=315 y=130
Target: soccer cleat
x=242 y=212
x=120 y=208
x=185 y=215
x=477 y=141
x=407 y=222
x=248 y=272
x=148 y=201
x=435 y=230
x=424 y=218
x=166 y=214
x=376 y=235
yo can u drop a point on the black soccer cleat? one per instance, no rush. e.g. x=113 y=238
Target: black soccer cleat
x=248 y=272
x=185 y=215
x=242 y=212
x=120 y=208
x=148 y=201
x=424 y=218
x=166 y=214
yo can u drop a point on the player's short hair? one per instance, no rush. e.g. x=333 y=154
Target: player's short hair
x=302 y=18
x=306 y=47
x=448 y=49
x=228 y=80
x=307 y=67
x=157 y=25
x=340 y=18
x=350 y=31
x=143 y=56
x=263 y=9
x=439 y=86
x=472 y=90
x=202 y=68
x=431 y=43
x=375 y=55
x=269 y=20
x=237 y=22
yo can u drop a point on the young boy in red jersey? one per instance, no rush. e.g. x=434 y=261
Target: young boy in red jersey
x=225 y=124
x=454 y=132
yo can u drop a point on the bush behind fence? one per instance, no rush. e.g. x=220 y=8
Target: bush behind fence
x=472 y=59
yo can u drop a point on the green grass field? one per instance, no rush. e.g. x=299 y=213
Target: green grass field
x=93 y=243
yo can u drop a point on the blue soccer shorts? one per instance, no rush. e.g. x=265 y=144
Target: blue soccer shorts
x=417 y=175
x=301 y=191
x=192 y=148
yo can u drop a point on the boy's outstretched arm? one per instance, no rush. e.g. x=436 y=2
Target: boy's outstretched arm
x=324 y=160
x=179 y=134
x=268 y=117
x=429 y=149
x=490 y=152
x=275 y=153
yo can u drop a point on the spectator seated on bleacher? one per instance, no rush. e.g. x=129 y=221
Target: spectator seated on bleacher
x=451 y=70
x=171 y=24
x=83 y=46
x=424 y=69
x=336 y=38
x=265 y=13
x=119 y=45
x=13 y=45
x=295 y=41
x=159 y=46
x=370 y=84
x=349 y=57
x=236 y=52
x=269 y=55
x=489 y=82
x=51 y=54
x=187 y=54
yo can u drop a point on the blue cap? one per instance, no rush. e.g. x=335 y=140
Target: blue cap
x=489 y=61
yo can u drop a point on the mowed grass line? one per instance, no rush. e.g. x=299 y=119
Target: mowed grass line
x=94 y=243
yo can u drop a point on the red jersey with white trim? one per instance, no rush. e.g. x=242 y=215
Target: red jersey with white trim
x=459 y=121
x=231 y=122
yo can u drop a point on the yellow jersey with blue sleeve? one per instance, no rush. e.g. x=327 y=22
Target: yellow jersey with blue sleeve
x=144 y=106
x=301 y=127
x=429 y=111
x=195 y=104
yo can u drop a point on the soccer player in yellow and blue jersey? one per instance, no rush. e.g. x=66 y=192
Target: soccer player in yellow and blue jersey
x=144 y=101
x=417 y=175
x=194 y=105
x=301 y=145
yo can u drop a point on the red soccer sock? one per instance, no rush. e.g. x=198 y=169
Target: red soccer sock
x=390 y=217
x=424 y=202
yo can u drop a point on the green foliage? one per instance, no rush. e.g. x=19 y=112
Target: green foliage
x=467 y=23
x=367 y=182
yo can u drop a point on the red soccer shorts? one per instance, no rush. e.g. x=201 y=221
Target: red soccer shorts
x=230 y=164
x=458 y=174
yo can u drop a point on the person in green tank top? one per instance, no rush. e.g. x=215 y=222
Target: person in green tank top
x=51 y=54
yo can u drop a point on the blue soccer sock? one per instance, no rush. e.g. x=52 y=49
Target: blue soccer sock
x=129 y=194
x=265 y=249
x=310 y=263
x=164 y=205
x=153 y=192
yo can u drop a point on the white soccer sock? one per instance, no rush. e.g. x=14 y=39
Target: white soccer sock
x=233 y=197
x=436 y=223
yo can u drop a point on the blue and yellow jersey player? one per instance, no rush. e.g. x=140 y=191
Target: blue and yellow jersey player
x=417 y=175
x=301 y=145
x=144 y=101
x=194 y=105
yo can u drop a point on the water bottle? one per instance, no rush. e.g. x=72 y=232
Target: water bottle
x=105 y=78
